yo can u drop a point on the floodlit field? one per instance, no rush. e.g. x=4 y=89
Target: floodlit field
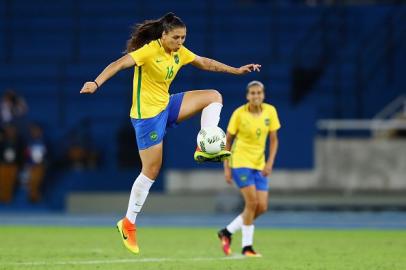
x=198 y=248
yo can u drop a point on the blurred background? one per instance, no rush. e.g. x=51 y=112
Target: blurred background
x=333 y=69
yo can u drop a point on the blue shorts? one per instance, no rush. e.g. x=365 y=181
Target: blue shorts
x=151 y=131
x=245 y=177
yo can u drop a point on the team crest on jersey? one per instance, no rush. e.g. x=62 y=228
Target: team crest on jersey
x=153 y=136
x=267 y=121
x=176 y=57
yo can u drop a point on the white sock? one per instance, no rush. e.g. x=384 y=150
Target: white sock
x=139 y=193
x=247 y=235
x=235 y=225
x=211 y=115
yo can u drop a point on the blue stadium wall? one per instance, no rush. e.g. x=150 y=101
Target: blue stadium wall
x=48 y=49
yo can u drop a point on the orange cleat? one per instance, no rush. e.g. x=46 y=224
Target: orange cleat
x=128 y=233
x=248 y=251
x=225 y=240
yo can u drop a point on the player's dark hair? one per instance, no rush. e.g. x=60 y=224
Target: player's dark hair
x=149 y=30
x=252 y=83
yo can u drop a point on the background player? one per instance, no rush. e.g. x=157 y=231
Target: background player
x=249 y=127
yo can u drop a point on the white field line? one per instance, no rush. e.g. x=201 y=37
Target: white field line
x=118 y=261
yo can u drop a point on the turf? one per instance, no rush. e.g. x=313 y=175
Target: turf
x=198 y=248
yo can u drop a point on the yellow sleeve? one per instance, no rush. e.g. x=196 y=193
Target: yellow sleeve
x=273 y=116
x=186 y=56
x=234 y=123
x=141 y=55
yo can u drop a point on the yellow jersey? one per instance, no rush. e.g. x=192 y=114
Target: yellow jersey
x=153 y=74
x=251 y=132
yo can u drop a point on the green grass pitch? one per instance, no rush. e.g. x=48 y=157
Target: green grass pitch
x=198 y=248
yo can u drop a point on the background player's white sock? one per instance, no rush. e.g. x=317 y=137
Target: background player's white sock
x=211 y=115
x=247 y=235
x=235 y=225
x=139 y=193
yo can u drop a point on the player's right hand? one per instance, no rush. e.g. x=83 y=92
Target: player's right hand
x=89 y=88
x=227 y=176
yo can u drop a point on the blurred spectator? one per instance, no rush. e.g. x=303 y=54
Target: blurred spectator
x=12 y=107
x=36 y=158
x=10 y=160
x=80 y=154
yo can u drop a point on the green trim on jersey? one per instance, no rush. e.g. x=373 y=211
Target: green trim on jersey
x=139 y=91
x=159 y=43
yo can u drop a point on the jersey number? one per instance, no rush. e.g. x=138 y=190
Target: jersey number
x=258 y=132
x=169 y=73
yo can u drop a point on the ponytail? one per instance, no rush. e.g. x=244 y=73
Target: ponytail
x=149 y=30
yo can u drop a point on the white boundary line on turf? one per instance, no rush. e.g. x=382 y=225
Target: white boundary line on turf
x=144 y=260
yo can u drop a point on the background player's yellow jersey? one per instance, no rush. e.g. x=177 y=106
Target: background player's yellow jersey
x=155 y=70
x=251 y=132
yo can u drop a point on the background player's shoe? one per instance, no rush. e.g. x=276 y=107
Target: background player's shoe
x=201 y=156
x=128 y=233
x=248 y=251
x=225 y=239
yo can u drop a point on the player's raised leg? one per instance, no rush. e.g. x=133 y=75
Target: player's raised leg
x=151 y=163
x=210 y=103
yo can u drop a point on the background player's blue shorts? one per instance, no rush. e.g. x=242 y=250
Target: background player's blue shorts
x=244 y=177
x=151 y=131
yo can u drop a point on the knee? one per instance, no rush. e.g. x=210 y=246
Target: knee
x=215 y=96
x=261 y=208
x=151 y=170
x=251 y=205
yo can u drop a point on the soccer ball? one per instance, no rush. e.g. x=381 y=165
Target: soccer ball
x=211 y=140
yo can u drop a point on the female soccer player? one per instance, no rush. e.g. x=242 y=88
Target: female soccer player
x=249 y=127
x=157 y=52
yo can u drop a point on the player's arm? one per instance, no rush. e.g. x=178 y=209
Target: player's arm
x=273 y=148
x=215 y=66
x=227 y=170
x=124 y=62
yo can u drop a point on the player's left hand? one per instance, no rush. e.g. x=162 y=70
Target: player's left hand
x=267 y=170
x=249 y=68
x=89 y=88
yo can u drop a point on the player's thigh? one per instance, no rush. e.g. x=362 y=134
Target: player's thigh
x=262 y=198
x=151 y=159
x=249 y=193
x=261 y=184
x=194 y=102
